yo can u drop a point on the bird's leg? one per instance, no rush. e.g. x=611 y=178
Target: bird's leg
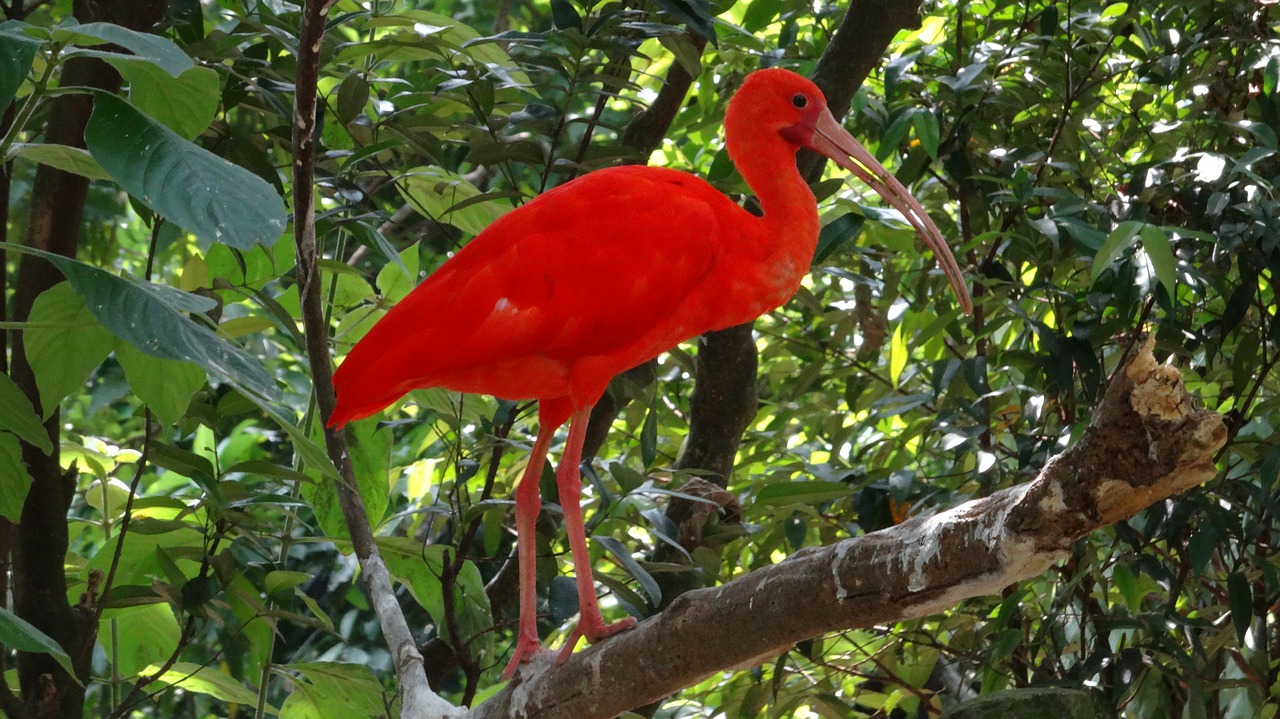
x=569 y=481
x=528 y=502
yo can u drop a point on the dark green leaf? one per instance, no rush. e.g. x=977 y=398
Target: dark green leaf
x=15 y=480
x=563 y=16
x=788 y=492
x=694 y=13
x=152 y=318
x=181 y=181
x=17 y=52
x=836 y=234
x=16 y=633
x=353 y=94
x=1240 y=598
x=927 y=132
x=18 y=416
x=632 y=566
x=146 y=46
x=649 y=437
x=1120 y=239
x=1159 y=251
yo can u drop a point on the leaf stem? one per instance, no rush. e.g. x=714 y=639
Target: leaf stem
x=38 y=92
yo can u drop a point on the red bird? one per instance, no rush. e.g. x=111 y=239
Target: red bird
x=603 y=273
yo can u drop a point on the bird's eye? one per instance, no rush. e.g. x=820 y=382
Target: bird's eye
x=800 y=101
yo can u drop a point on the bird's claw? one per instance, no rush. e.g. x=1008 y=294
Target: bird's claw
x=594 y=632
x=527 y=649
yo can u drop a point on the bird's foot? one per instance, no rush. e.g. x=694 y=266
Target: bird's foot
x=594 y=632
x=527 y=649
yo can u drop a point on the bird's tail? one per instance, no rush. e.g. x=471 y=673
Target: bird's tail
x=361 y=391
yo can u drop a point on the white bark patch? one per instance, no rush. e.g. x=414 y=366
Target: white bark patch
x=841 y=549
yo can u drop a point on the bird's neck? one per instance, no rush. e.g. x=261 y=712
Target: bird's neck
x=790 y=213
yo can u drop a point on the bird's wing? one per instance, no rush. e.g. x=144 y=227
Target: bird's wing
x=608 y=266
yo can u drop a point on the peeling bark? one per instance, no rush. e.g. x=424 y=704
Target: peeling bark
x=1136 y=452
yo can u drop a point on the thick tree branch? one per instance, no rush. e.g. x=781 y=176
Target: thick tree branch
x=40 y=540
x=418 y=701
x=1146 y=443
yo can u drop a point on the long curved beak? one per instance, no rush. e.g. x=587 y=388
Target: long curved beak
x=835 y=142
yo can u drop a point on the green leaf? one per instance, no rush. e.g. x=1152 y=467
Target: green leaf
x=18 y=416
x=836 y=234
x=15 y=480
x=351 y=687
x=185 y=104
x=64 y=157
x=564 y=16
x=147 y=635
x=443 y=37
x=898 y=354
x=352 y=96
x=145 y=46
x=788 y=492
x=207 y=680
x=1240 y=599
x=163 y=385
x=694 y=13
x=649 y=437
x=369 y=447
x=420 y=568
x=396 y=279
x=633 y=567
x=1120 y=239
x=152 y=318
x=927 y=132
x=17 y=52
x=64 y=343
x=435 y=192
x=17 y=633
x=1126 y=584
x=1159 y=251
x=186 y=184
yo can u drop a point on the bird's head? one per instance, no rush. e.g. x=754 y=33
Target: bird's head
x=779 y=103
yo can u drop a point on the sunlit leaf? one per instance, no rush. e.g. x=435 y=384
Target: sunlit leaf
x=898 y=354
x=1120 y=239
x=63 y=157
x=164 y=385
x=207 y=680
x=436 y=193
x=147 y=634
x=64 y=343
x=185 y=104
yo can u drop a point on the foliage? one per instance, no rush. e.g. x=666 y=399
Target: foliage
x=1100 y=167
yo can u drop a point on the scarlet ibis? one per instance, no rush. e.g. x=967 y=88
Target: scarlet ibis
x=603 y=273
